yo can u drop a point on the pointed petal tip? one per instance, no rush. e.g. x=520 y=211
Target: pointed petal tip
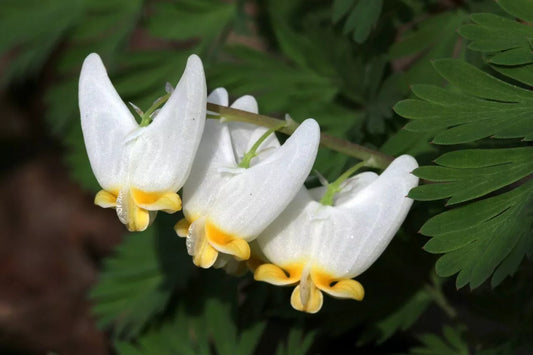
x=309 y=132
x=246 y=103
x=92 y=66
x=312 y=124
x=219 y=96
x=92 y=58
x=195 y=63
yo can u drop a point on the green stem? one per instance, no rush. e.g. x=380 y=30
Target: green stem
x=435 y=291
x=334 y=187
x=146 y=118
x=371 y=158
x=252 y=153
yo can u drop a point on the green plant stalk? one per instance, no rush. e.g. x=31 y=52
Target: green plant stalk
x=335 y=187
x=436 y=293
x=252 y=153
x=372 y=158
x=146 y=118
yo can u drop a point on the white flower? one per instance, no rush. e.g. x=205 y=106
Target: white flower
x=321 y=248
x=227 y=205
x=140 y=168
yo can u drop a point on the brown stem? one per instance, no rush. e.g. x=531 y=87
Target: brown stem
x=372 y=158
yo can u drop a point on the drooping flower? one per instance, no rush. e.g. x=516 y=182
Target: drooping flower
x=228 y=203
x=140 y=169
x=321 y=248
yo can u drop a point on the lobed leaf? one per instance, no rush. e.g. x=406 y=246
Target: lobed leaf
x=484 y=237
x=137 y=282
x=405 y=316
x=186 y=19
x=506 y=43
x=468 y=174
x=434 y=37
x=297 y=342
x=361 y=16
x=492 y=33
x=477 y=106
x=518 y=8
x=451 y=343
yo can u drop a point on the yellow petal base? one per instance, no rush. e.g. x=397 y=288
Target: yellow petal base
x=227 y=243
x=343 y=288
x=168 y=202
x=205 y=255
x=106 y=199
x=182 y=227
x=307 y=296
x=133 y=206
x=275 y=275
x=310 y=303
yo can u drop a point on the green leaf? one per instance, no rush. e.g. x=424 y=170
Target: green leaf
x=205 y=318
x=434 y=37
x=405 y=316
x=340 y=9
x=451 y=343
x=138 y=280
x=27 y=26
x=362 y=19
x=476 y=106
x=506 y=43
x=482 y=237
x=492 y=33
x=522 y=9
x=405 y=142
x=184 y=334
x=297 y=342
x=468 y=174
x=277 y=84
x=522 y=73
x=186 y=19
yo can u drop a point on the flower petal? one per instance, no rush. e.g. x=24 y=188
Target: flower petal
x=215 y=154
x=219 y=96
x=314 y=301
x=275 y=275
x=244 y=135
x=250 y=201
x=363 y=226
x=105 y=121
x=345 y=288
x=226 y=243
x=105 y=199
x=288 y=239
x=168 y=202
x=163 y=153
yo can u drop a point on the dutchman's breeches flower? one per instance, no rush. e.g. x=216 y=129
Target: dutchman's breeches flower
x=140 y=168
x=233 y=194
x=321 y=248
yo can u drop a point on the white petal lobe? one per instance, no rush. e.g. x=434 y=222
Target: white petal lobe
x=166 y=148
x=251 y=201
x=105 y=121
x=366 y=223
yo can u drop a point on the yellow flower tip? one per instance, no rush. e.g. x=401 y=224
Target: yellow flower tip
x=227 y=243
x=206 y=256
x=168 y=202
x=182 y=227
x=105 y=199
x=275 y=275
x=308 y=300
x=345 y=288
x=138 y=220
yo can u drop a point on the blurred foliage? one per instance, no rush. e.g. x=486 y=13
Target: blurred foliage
x=469 y=65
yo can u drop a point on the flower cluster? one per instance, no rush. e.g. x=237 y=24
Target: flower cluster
x=239 y=185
